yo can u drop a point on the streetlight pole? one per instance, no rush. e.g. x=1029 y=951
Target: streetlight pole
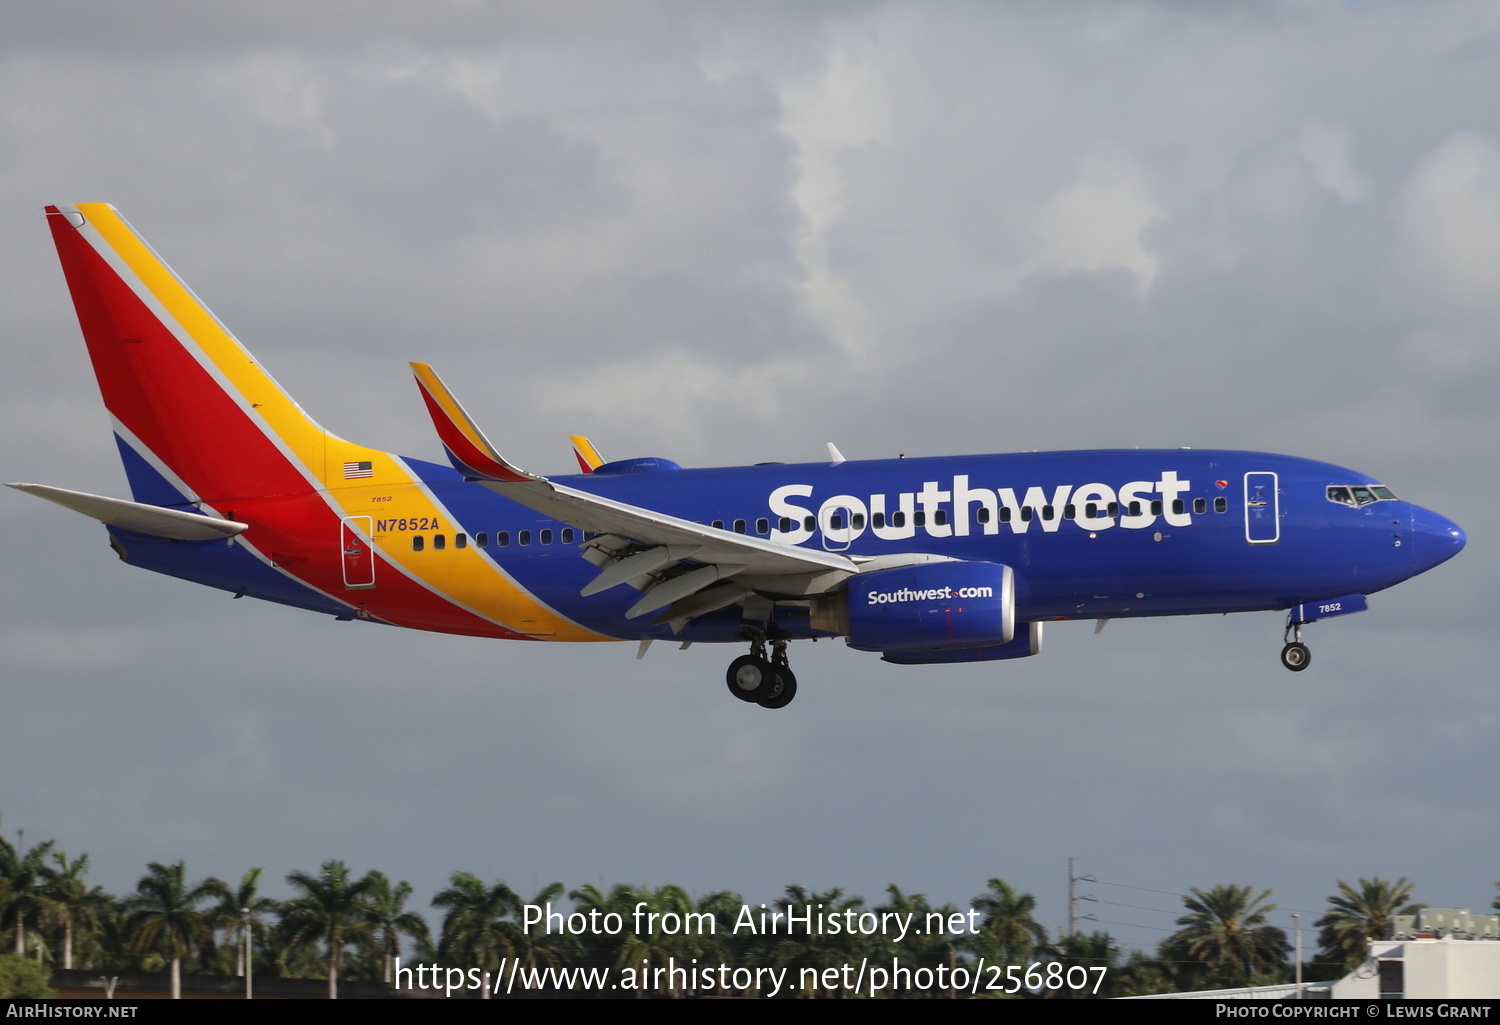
x=249 y=948
x=1297 y=927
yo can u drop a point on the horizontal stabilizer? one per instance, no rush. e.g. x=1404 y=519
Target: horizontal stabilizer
x=143 y=519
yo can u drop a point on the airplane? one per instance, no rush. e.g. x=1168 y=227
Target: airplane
x=926 y=561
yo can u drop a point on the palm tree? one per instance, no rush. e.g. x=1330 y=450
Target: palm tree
x=333 y=908
x=390 y=918
x=240 y=909
x=1355 y=917
x=1089 y=950
x=1009 y=934
x=1225 y=932
x=657 y=946
x=810 y=949
x=23 y=899
x=164 y=914
x=73 y=902
x=537 y=947
x=920 y=948
x=477 y=929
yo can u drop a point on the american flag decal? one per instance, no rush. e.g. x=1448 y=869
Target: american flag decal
x=353 y=471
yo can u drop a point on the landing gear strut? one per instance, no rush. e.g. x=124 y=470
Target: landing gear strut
x=1295 y=655
x=763 y=678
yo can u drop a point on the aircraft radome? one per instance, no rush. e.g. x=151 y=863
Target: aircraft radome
x=934 y=560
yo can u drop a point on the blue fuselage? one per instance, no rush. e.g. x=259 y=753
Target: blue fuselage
x=1090 y=534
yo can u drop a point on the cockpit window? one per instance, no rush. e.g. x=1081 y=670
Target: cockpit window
x=1358 y=495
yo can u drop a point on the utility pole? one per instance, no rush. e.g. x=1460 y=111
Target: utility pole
x=1073 y=916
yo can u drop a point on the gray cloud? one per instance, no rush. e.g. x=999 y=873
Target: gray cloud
x=728 y=234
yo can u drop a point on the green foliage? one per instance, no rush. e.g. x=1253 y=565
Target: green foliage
x=1009 y=935
x=22 y=978
x=1355 y=917
x=333 y=908
x=1225 y=940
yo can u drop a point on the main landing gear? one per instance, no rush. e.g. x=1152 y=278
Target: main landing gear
x=762 y=679
x=1295 y=655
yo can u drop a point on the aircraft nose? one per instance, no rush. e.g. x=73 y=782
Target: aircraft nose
x=1437 y=538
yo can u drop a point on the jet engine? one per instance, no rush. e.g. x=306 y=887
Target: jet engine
x=938 y=606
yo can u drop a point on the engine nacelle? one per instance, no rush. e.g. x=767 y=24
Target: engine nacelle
x=937 y=606
x=1028 y=642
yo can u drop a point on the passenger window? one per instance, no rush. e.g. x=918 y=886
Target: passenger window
x=1005 y=514
x=739 y=526
x=460 y=540
x=1177 y=507
x=919 y=519
x=857 y=521
x=1156 y=507
x=439 y=542
x=983 y=515
x=1070 y=511
x=1200 y=506
x=502 y=539
x=1135 y=508
x=784 y=525
x=1114 y=509
x=1047 y=513
x=1091 y=510
x=524 y=537
x=1221 y=504
x=1026 y=514
x=898 y=518
x=940 y=516
x=809 y=523
x=567 y=535
x=835 y=522
x=878 y=520
x=546 y=537
x=417 y=542
x=718 y=524
x=482 y=539
x=762 y=526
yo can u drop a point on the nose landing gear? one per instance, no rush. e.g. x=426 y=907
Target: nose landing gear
x=1295 y=655
x=762 y=679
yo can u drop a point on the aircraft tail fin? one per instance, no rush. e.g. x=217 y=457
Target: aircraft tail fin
x=196 y=417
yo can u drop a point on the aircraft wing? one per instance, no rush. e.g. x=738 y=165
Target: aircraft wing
x=664 y=541
x=587 y=455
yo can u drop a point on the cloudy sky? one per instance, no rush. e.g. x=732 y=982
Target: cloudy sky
x=726 y=233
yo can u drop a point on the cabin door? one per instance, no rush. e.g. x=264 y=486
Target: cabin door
x=1262 y=509
x=357 y=552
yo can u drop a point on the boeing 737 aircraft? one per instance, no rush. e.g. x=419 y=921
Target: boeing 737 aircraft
x=937 y=560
